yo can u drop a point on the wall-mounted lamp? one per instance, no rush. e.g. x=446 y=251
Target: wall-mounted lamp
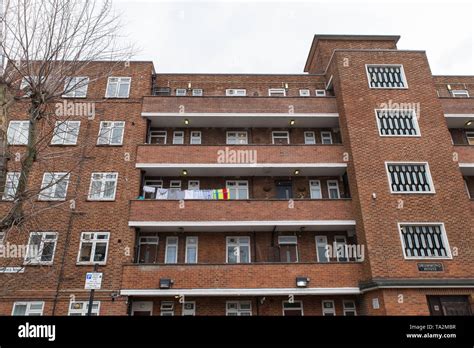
x=189 y=86
x=297 y=172
x=302 y=282
x=186 y=122
x=184 y=172
x=165 y=283
x=286 y=86
x=292 y=122
x=469 y=123
x=448 y=87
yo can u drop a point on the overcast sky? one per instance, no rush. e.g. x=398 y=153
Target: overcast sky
x=275 y=36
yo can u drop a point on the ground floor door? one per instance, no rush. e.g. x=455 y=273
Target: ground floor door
x=449 y=305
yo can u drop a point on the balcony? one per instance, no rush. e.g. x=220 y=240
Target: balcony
x=241 y=279
x=453 y=106
x=241 y=215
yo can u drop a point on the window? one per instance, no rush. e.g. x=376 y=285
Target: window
x=54 y=187
x=397 y=122
x=171 y=252
x=293 y=309
x=147 y=249
x=189 y=308
x=333 y=189
x=191 y=250
x=386 y=76
x=2 y=237
x=305 y=93
x=103 y=186
x=326 y=138
x=11 y=185
x=280 y=138
x=111 y=133
x=175 y=185
x=349 y=308
x=409 y=178
x=118 y=87
x=238 y=308
x=180 y=92
x=195 y=138
x=288 y=248
x=178 y=138
x=28 y=308
x=197 y=92
x=320 y=93
x=193 y=185
x=424 y=241
x=66 y=133
x=238 y=249
x=341 y=248
x=81 y=308
x=157 y=137
x=238 y=189
x=328 y=308
x=167 y=309
x=76 y=87
x=237 y=138
x=315 y=189
x=17 y=133
x=41 y=248
x=156 y=184
x=470 y=138
x=236 y=92
x=322 y=248
x=93 y=248
x=462 y=93
x=277 y=92
x=309 y=138
x=30 y=82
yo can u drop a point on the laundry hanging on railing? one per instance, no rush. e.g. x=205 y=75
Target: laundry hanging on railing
x=173 y=194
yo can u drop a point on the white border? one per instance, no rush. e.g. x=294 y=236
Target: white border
x=415 y=122
x=428 y=172
x=118 y=84
x=402 y=70
x=291 y=309
x=348 y=223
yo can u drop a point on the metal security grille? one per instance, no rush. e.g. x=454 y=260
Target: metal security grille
x=409 y=177
x=386 y=76
x=424 y=241
x=399 y=122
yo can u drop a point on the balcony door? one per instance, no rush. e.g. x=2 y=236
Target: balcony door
x=284 y=190
x=147 y=249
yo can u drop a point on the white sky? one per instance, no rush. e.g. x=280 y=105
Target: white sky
x=275 y=36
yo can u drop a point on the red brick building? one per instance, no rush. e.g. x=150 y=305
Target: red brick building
x=342 y=191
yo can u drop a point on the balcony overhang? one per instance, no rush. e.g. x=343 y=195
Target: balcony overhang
x=240 y=292
x=467 y=169
x=242 y=120
x=244 y=226
x=258 y=169
x=459 y=120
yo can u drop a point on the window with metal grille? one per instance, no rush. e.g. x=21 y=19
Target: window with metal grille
x=409 y=178
x=386 y=76
x=397 y=122
x=424 y=241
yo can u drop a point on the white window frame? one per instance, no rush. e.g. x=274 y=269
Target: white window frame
x=195 y=139
x=346 y=309
x=292 y=309
x=460 y=93
x=402 y=71
x=320 y=93
x=60 y=137
x=198 y=92
x=238 y=308
x=195 y=183
x=336 y=187
x=318 y=256
x=142 y=306
x=415 y=123
x=466 y=187
x=147 y=240
x=280 y=137
x=276 y=92
x=237 y=185
x=444 y=236
x=428 y=176
x=470 y=135
x=166 y=308
x=103 y=182
x=29 y=311
x=85 y=308
x=2 y=237
x=178 y=140
x=241 y=241
x=94 y=241
x=12 y=179
x=237 y=138
x=293 y=240
x=344 y=244
x=189 y=245
x=163 y=134
x=327 y=310
x=187 y=312
x=305 y=92
x=31 y=259
x=326 y=135
x=312 y=184
x=81 y=87
x=175 y=185
x=48 y=194
x=181 y=92
x=16 y=138
x=120 y=80
x=307 y=139
x=170 y=244
x=236 y=92
x=109 y=135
